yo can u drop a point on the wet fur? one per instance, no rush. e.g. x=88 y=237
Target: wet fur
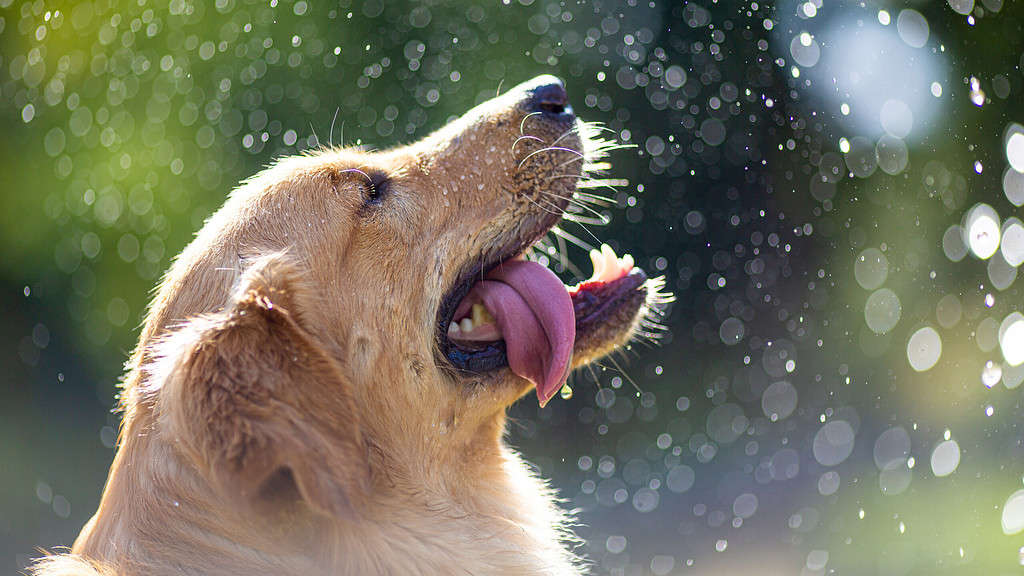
x=286 y=411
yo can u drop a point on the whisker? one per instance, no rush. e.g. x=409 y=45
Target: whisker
x=546 y=246
x=568 y=132
x=525 y=118
x=598 y=126
x=609 y=183
x=575 y=203
x=571 y=160
x=357 y=171
x=539 y=247
x=624 y=374
x=548 y=210
x=571 y=238
x=584 y=220
x=330 y=136
x=548 y=202
x=585 y=181
x=552 y=149
x=594 y=198
x=579 y=207
x=644 y=340
x=563 y=257
x=525 y=137
x=582 y=225
x=582 y=204
x=318 y=145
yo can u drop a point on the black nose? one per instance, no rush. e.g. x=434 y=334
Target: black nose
x=550 y=97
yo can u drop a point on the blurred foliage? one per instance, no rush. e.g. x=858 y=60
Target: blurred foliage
x=126 y=123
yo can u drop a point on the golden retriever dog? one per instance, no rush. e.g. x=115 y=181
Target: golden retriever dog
x=321 y=383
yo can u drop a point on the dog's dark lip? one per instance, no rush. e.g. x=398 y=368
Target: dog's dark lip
x=593 y=303
x=489 y=356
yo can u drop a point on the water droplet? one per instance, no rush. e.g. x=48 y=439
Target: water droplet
x=833 y=443
x=871 y=268
x=882 y=311
x=945 y=458
x=981 y=226
x=924 y=349
x=912 y=28
x=991 y=374
x=1013 y=514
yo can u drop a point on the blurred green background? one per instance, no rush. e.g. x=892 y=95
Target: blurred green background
x=830 y=189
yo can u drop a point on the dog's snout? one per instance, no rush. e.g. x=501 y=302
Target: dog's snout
x=549 y=96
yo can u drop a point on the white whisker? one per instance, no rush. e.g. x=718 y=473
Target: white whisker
x=526 y=137
x=319 y=146
x=575 y=203
x=624 y=374
x=584 y=245
x=568 y=132
x=552 y=149
x=330 y=137
x=585 y=220
x=594 y=198
x=538 y=205
x=525 y=118
x=610 y=183
x=563 y=257
x=357 y=171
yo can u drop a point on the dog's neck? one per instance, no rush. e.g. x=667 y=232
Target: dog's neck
x=156 y=505
x=159 y=515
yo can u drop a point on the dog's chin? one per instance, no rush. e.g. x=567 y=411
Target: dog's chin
x=499 y=387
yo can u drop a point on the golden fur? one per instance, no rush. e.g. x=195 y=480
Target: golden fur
x=286 y=411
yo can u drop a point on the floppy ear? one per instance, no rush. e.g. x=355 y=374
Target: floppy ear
x=261 y=407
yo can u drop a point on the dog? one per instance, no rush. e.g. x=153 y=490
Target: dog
x=321 y=382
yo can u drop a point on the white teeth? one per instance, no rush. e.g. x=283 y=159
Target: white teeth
x=479 y=321
x=608 y=267
x=598 y=261
x=608 y=253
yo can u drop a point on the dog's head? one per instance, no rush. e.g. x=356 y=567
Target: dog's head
x=358 y=299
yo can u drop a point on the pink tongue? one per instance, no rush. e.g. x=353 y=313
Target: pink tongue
x=534 y=311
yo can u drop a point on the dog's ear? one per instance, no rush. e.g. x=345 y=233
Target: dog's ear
x=260 y=405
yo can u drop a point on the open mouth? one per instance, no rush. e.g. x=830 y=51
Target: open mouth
x=516 y=313
x=503 y=311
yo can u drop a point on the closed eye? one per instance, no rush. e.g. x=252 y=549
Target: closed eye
x=376 y=188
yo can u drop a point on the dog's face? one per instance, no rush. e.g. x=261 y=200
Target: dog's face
x=417 y=225
x=385 y=298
